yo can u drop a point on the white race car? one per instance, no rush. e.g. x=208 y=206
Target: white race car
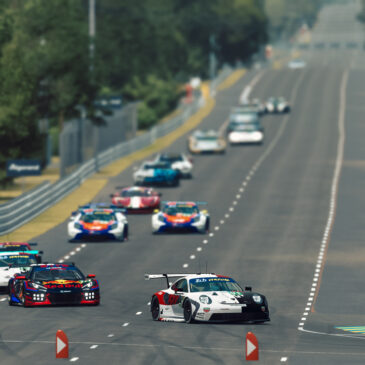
x=178 y=161
x=206 y=142
x=92 y=222
x=246 y=133
x=180 y=216
x=277 y=105
x=208 y=298
x=12 y=263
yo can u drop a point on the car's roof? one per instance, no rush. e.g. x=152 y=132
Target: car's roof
x=177 y=203
x=197 y=276
x=49 y=266
x=137 y=188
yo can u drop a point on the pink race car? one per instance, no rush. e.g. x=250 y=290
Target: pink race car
x=137 y=199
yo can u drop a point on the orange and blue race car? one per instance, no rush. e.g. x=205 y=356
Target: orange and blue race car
x=180 y=216
x=53 y=284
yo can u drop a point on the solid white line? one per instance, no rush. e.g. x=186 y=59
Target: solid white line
x=335 y=181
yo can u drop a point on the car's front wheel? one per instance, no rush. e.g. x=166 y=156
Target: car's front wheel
x=155 y=309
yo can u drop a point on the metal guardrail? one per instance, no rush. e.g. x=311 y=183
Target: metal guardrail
x=27 y=206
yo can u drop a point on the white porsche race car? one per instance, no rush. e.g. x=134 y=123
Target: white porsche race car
x=178 y=161
x=206 y=298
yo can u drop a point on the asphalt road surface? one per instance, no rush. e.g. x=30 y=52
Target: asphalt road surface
x=287 y=219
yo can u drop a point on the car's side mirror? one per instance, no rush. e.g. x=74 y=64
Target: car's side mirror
x=248 y=288
x=91 y=276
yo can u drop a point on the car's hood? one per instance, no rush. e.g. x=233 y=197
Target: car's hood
x=223 y=297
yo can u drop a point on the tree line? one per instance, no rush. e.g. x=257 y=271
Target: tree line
x=144 y=50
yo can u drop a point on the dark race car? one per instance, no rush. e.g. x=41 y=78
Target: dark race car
x=53 y=284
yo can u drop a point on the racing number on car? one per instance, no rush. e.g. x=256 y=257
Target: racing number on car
x=171 y=299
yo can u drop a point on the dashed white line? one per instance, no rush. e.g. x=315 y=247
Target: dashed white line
x=78 y=249
x=231 y=209
x=83 y=245
x=221 y=221
x=138 y=313
x=205 y=242
x=67 y=257
x=198 y=249
x=2 y=300
x=60 y=261
x=125 y=324
x=238 y=196
x=74 y=359
x=185 y=266
x=111 y=335
x=242 y=190
x=226 y=215
x=235 y=202
x=216 y=228
x=149 y=303
x=211 y=234
x=192 y=257
x=94 y=347
x=284 y=359
x=72 y=253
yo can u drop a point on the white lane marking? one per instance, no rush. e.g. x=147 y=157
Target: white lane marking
x=111 y=335
x=83 y=245
x=78 y=249
x=238 y=196
x=334 y=186
x=242 y=190
x=198 y=249
x=211 y=234
x=185 y=266
x=245 y=94
x=74 y=359
x=72 y=253
x=235 y=202
x=3 y=299
x=192 y=257
x=67 y=257
x=205 y=242
x=60 y=261
x=93 y=347
x=149 y=303
x=226 y=215
x=231 y=209
x=216 y=228
x=221 y=221
x=138 y=313
x=284 y=359
x=125 y=324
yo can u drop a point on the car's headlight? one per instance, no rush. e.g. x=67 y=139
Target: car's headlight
x=88 y=285
x=257 y=299
x=78 y=225
x=161 y=218
x=114 y=226
x=205 y=299
x=37 y=286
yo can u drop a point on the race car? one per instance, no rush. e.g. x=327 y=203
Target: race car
x=137 y=199
x=52 y=284
x=277 y=105
x=206 y=298
x=206 y=142
x=178 y=161
x=156 y=173
x=91 y=222
x=21 y=247
x=180 y=216
x=241 y=115
x=246 y=133
x=12 y=263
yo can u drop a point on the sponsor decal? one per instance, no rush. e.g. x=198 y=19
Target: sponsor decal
x=23 y=167
x=206 y=309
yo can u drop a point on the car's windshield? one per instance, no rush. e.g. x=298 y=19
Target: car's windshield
x=156 y=166
x=181 y=209
x=17 y=260
x=98 y=216
x=213 y=284
x=244 y=118
x=207 y=138
x=14 y=248
x=51 y=274
x=171 y=158
x=242 y=127
x=139 y=192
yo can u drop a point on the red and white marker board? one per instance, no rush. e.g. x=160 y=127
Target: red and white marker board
x=252 y=347
x=61 y=345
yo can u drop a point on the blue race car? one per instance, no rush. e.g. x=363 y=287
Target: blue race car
x=156 y=173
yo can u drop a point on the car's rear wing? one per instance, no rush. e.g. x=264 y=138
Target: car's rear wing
x=163 y=276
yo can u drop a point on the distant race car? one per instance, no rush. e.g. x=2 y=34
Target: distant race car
x=156 y=173
x=206 y=298
x=241 y=115
x=21 y=247
x=98 y=223
x=206 y=142
x=52 y=284
x=246 y=133
x=277 y=105
x=12 y=263
x=296 y=64
x=180 y=216
x=137 y=199
x=178 y=161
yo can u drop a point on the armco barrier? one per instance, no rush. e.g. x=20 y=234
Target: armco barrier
x=27 y=206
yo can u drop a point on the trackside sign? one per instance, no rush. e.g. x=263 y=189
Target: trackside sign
x=23 y=168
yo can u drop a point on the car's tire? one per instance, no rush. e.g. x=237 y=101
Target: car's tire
x=125 y=234
x=188 y=312
x=207 y=226
x=155 y=309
